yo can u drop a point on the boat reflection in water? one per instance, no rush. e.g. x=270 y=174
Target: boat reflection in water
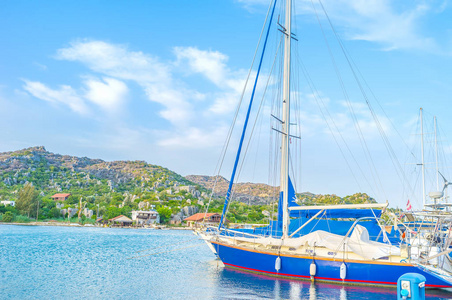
x=255 y=286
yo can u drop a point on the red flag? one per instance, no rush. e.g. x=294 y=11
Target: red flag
x=408 y=205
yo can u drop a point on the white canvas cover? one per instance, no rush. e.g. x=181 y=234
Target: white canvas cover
x=358 y=243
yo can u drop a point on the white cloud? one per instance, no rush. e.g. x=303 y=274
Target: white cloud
x=154 y=76
x=178 y=109
x=65 y=95
x=116 y=61
x=383 y=22
x=224 y=103
x=165 y=83
x=109 y=94
x=196 y=138
x=392 y=24
x=161 y=81
x=211 y=64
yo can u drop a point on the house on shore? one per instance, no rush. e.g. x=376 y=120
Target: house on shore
x=145 y=217
x=196 y=220
x=120 y=221
x=60 y=197
x=8 y=202
x=101 y=221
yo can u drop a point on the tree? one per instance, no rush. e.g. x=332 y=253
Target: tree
x=27 y=201
x=81 y=206
x=7 y=217
x=165 y=214
x=111 y=212
x=102 y=210
x=126 y=211
x=117 y=198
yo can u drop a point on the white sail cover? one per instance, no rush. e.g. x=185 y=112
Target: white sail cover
x=358 y=243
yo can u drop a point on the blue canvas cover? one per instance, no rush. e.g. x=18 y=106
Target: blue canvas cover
x=340 y=227
x=326 y=221
x=338 y=213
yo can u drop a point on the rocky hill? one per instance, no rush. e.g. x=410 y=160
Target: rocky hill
x=51 y=173
x=252 y=193
x=259 y=193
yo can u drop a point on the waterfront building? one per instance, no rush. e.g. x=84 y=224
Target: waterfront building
x=203 y=218
x=145 y=217
x=120 y=221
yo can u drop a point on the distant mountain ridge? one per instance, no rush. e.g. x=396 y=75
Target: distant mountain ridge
x=252 y=193
x=260 y=193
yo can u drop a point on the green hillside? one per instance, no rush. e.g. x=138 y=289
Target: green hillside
x=117 y=187
x=98 y=188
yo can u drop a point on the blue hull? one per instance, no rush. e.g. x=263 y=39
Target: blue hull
x=297 y=267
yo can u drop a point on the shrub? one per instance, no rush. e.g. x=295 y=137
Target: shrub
x=54 y=213
x=22 y=219
x=7 y=217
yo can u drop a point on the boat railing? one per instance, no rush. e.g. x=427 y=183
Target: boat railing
x=344 y=239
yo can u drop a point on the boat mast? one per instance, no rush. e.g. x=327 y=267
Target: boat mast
x=423 y=164
x=286 y=121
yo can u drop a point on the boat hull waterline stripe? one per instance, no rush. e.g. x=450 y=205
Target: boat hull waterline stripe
x=297 y=267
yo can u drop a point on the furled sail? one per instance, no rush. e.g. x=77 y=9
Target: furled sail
x=292 y=202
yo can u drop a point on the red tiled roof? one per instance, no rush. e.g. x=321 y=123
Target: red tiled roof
x=119 y=217
x=200 y=216
x=60 y=195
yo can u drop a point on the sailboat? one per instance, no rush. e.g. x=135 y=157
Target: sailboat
x=294 y=248
x=427 y=231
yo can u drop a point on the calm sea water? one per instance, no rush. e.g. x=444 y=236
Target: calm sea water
x=40 y=262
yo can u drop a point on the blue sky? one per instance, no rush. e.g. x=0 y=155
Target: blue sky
x=159 y=80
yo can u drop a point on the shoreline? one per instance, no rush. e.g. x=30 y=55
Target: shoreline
x=58 y=224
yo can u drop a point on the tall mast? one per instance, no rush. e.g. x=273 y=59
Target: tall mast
x=286 y=121
x=423 y=164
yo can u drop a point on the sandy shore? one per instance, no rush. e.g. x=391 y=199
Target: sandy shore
x=90 y=225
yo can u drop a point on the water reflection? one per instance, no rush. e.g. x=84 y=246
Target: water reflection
x=343 y=294
x=277 y=290
x=295 y=290
x=235 y=284
x=312 y=292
